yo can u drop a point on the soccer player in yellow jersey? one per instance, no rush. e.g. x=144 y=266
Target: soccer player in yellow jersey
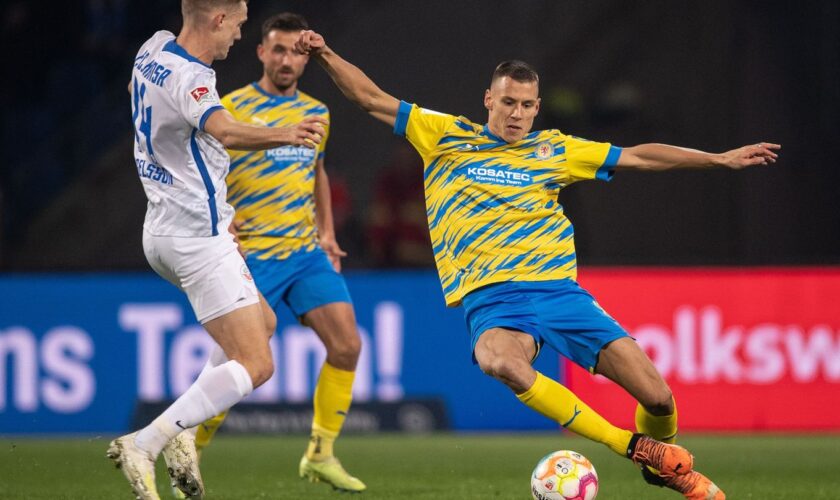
x=505 y=251
x=285 y=226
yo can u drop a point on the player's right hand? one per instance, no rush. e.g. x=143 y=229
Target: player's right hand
x=308 y=133
x=310 y=43
x=763 y=153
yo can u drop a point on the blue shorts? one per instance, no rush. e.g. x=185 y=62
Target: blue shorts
x=559 y=313
x=303 y=281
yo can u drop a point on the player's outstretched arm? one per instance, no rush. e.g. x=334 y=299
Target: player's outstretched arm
x=665 y=157
x=351 y=80
x=234 y=134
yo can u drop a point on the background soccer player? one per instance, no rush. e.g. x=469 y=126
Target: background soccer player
x=181 y=132
x=285 y=223
x=505 y=250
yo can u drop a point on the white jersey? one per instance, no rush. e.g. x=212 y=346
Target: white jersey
x=182 y=168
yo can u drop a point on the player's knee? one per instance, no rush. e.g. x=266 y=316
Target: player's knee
x=259 y=365
x=500 y=366
x=344 y=352
x=660 y=404
x=261 y=370
x=270 y=321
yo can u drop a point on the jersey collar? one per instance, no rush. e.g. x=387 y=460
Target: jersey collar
x=276 y=98
x=173 y=47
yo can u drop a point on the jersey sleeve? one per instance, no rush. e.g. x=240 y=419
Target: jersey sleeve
x=197 y=98
x=587 y=160
x=422 y=127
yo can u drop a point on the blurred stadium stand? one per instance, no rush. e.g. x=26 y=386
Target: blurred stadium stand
x=710 y=75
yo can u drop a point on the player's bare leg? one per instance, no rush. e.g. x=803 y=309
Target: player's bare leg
x=624 y=362
x=335 y=325
x=506 y=355
x=241 y=334
x=207 y=429
x=180 y=454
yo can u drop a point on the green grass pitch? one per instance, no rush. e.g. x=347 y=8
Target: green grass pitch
x=433 y=467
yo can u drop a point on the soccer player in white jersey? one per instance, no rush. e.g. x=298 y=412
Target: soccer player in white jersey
x=505 y=251
x=181 y=132
x=285 y=226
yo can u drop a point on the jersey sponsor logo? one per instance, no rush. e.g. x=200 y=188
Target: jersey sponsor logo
x=201 y=94
x=500 y=176
x=290 y=154
x=544 y=150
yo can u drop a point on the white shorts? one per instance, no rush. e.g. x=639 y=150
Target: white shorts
x=209 y=270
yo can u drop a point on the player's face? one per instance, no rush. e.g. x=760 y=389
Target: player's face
x=511 y=107
x=282 y=64
x=230 y=28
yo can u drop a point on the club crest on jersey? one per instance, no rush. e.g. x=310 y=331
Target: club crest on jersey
x=544 y=150
x=246 y=273
x=200 y=94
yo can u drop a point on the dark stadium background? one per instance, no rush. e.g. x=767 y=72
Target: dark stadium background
x=710 y=75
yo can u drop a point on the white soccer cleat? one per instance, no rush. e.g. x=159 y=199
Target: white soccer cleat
x=182 y=465
x=137 y=466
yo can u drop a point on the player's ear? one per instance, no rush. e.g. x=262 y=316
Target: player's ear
x=537 y=106
x=488 y=99
x=218 y=19
x=260 y=51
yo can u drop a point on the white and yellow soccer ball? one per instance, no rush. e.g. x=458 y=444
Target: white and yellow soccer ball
x=564 y=475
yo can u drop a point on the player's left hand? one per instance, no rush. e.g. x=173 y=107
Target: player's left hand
x=762 y=153
x=333 y=251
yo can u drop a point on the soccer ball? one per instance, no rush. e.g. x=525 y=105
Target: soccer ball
x=564 y=475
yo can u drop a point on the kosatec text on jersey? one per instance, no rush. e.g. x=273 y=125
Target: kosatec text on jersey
x=498 y=175
x=291 y=153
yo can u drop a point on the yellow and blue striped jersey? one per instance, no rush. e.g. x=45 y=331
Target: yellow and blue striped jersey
x=273 y=191
x=492 y=206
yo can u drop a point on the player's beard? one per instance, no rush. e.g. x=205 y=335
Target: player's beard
x=284 y=80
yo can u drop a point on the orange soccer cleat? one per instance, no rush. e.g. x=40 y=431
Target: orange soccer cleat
x=668 y=459
x=694 y=486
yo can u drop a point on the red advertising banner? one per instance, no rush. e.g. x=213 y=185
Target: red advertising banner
x=755 y=349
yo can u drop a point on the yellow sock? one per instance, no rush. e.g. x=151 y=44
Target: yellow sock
x=662 y=428
x=333 y=395
x=556 y=402
x=207 y=429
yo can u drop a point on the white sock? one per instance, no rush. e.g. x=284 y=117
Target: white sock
x=216 y=390
x=216 y=358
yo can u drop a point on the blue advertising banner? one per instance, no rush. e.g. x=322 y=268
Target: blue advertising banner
x=78 y=351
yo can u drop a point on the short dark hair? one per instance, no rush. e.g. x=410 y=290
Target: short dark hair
x=284 y=21
x=516 y=70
